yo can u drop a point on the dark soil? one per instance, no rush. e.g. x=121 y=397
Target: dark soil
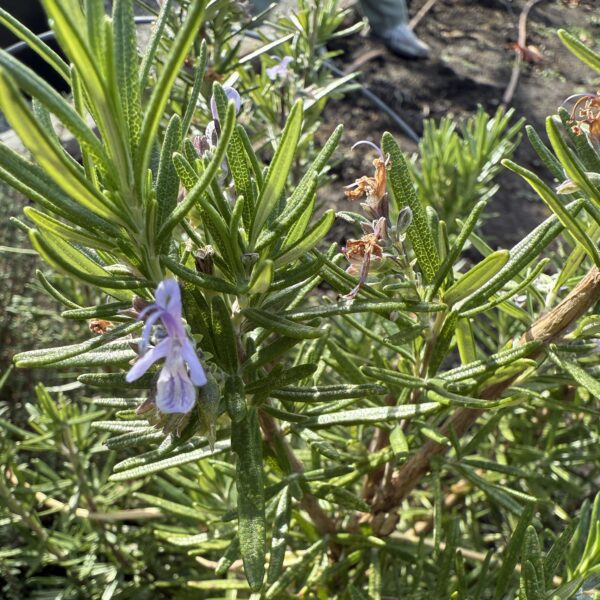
x=471 y=64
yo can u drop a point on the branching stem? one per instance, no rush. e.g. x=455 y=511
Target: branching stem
x=544 y=330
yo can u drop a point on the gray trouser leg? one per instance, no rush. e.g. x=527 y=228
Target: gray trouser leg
x=260 y=5
x=384 y=14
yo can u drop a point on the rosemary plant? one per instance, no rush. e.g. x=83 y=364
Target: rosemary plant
x=264 y=417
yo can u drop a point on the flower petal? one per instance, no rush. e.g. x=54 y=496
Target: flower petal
x=146 y=311
x=210 y=134
x=145 y=361
x=147 y=329
x=232 y=94
x=191 y=358
x=577 y=96
x=175 y=393
x=369 y=143
x=168 y=297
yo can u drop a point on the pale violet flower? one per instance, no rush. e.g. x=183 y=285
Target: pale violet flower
x=175 y=391
x=232 y=94
x=280 y=69
x=207 y=142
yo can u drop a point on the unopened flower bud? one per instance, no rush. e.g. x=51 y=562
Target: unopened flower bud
x=249 y=259
x=404 y=221
x=201 y=144
x=570 y=187
x=204 y=259
x=139 y=304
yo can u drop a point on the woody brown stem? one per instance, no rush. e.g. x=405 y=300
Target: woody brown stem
x=309 y=503
x=544 y=330
x=380 y=440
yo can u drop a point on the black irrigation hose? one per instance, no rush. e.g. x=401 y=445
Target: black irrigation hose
x=366 y=92
x=47 y=36
x=379 y=103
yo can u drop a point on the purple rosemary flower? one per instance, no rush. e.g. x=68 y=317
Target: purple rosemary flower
x=231 y=94
x=207 y=142
x=280 y=69
x=175 y=392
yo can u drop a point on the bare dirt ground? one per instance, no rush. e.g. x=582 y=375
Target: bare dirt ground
x=471 y=64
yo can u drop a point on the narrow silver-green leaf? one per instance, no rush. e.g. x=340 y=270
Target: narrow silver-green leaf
x=202 y=281
x=127 y=68
x=281 y=325
x=174 y=508
x=475 y=277
x=302 y=199
x=35 y=43
x=69 y=25
x=38 y=88
x=222 y=330
x=172 y=461
x=362 y=416
x=582 y=377
x=491 y=363
x=404 y=193
x=456 y=248
x=101 y=311
x=65 y=256
x=502 y=299
x=205 y=179
x=443 y=342
x=162 y=90
x=310 y=239
x=157 y=31
x=278 y=171
x=351 y=307
x=279 y=378
x=395 y=378
x=54 y=162
x=237 y=161
x=167 y=181
x=278 y=588
x=192 y=105
x=573 y=169
x=64 y=231
x=572 y=225
x=326 y=393
x=580 y=50
x=558 y=551
x=521 y=255
x=281 y=525
x=35 y=184
x=47 y=356
x=246 y=442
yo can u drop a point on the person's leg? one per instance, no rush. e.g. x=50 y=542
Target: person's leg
x=383 y=14
x=389 y=22
x=258 y=6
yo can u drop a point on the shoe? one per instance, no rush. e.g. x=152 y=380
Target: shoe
x=402 y=41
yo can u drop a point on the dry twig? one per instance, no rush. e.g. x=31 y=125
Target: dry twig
x=421 y=13
x=520 y=48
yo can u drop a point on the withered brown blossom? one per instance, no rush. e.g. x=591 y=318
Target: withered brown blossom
x=373 y=189
x=99 y=326
x=586 y=111
x=361 y=253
